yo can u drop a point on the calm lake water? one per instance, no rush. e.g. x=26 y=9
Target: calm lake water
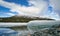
x=21 y=28
x=18 y=27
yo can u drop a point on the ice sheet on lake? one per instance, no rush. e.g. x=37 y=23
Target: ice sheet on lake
x=12 y=24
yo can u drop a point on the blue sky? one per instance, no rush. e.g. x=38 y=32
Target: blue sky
x=4 y=10
x=21 y=2
x=9 y=8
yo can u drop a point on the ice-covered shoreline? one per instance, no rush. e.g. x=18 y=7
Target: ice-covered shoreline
x=3 y=24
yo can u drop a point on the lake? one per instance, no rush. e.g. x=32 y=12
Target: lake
x=22 y=30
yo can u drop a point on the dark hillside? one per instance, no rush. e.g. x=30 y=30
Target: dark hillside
x=22 y=19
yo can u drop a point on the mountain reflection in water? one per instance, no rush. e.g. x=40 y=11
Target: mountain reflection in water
x=22 y=31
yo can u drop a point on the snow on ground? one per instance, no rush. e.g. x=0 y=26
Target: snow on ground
x=12 y=24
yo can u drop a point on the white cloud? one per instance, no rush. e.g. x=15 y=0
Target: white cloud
x=56 y=7
x=32 y=10
x=55 y=4
x=11 y=14
x=42 y=5
x=39 y=8
x=54 y=16
x=7 y=15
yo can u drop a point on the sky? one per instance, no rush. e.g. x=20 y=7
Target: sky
x=40 y=8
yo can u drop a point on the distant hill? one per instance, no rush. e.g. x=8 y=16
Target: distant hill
x=22 y=19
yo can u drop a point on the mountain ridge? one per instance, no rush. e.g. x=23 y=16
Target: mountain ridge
x=22 y=19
